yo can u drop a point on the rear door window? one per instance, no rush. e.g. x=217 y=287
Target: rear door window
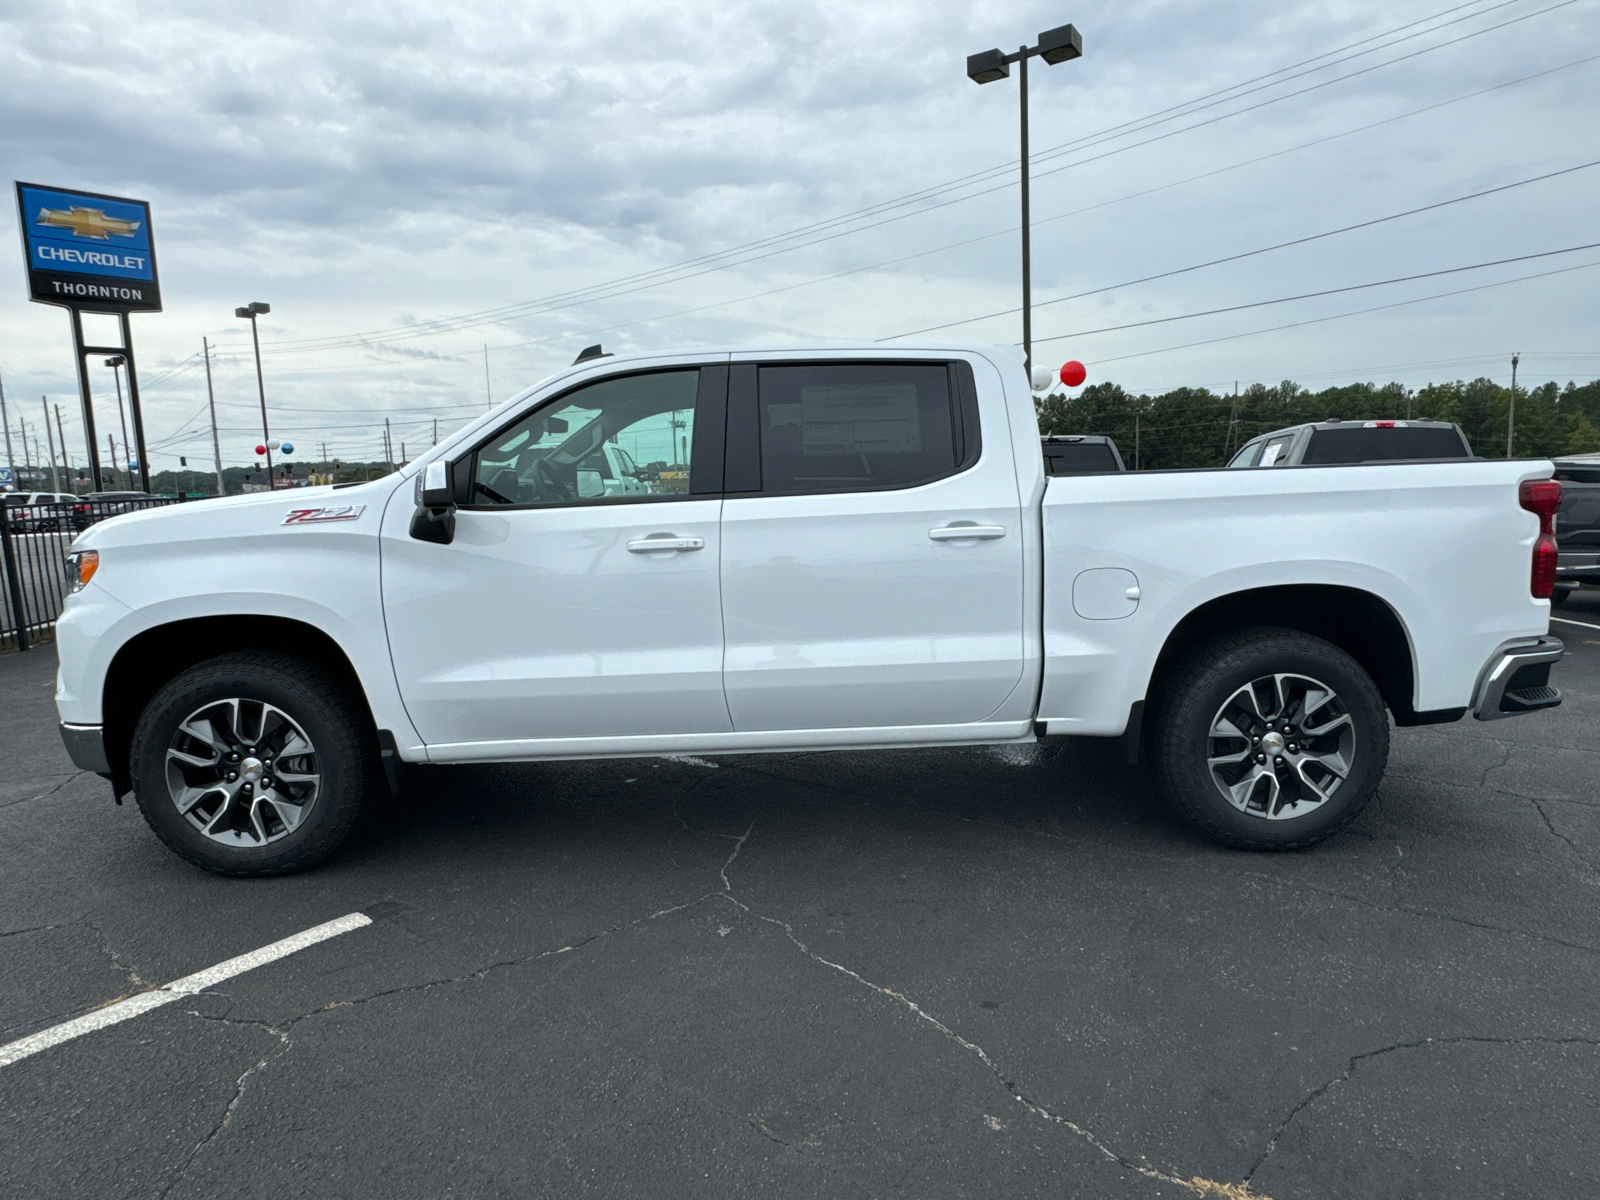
x=856 y=426
x=1276 y=451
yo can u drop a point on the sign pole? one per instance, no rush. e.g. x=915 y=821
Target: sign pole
x=86 y=395
x=133 y=401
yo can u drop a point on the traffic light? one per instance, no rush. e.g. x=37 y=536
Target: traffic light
x=182 y=461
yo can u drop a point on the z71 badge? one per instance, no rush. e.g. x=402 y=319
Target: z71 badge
x=316 y=516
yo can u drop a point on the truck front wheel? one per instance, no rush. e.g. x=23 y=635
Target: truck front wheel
x=253 y=764
x=1269 y=739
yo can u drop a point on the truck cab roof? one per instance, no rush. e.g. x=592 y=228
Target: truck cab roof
x=1333 y=442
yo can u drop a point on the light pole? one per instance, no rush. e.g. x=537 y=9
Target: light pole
x=250 y=312
x=115 y=361
x=1055 y=46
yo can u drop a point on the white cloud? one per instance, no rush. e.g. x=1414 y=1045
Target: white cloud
x=375 y=166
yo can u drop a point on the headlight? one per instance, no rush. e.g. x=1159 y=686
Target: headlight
x=81 y=566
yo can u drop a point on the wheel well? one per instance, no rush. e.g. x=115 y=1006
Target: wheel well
x=148 y=661
x=1359 y=623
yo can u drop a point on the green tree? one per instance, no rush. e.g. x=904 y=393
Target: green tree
x=1584 y=438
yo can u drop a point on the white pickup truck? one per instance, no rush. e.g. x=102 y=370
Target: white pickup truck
x=815 y=550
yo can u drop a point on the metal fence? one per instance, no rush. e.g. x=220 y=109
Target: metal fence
x=33 y=559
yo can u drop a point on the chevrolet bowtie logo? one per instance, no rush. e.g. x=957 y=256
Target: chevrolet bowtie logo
x=87 y=222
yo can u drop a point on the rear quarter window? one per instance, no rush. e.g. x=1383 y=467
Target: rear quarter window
x=1092 y=458
x=1359 y=445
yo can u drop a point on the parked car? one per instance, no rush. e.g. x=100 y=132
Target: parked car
x=39 y=512
x=1086 y=454
x=1330 y=442
x=96 y=506
x=1577 y=525
x=866 y=552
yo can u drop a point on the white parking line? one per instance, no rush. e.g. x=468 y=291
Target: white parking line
x=1570 y=621
x=189 y=985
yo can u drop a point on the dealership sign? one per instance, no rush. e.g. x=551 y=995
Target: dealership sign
x=88 y=251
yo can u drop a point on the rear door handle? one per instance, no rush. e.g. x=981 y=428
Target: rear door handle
x=665 y=541
x=976 y=533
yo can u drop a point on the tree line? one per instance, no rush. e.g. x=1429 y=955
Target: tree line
x=1196 y=427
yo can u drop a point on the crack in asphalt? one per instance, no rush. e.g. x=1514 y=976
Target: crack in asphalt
x=116 y=959
x=45 y=794
x=1195 y=1184
x=1278 y=881
x=1416 y=1043
x=1556 y=833
x=239 y=1086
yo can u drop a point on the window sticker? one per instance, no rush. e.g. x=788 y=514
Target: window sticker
x=1270 y=454
x=854 y=419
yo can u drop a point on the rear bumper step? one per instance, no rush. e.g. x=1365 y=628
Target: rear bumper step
x=1516 y=679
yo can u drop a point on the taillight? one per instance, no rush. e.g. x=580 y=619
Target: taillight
x=1542 y=497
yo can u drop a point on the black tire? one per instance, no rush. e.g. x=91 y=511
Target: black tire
x=1196 y=691
x=333 y=718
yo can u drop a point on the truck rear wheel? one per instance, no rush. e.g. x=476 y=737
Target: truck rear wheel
x=1269 y=739
x=253 y=764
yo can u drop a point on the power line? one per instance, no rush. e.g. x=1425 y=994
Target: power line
x=1354 y=287
x=1300 y=241
x=682 y=271
x=1482 y=287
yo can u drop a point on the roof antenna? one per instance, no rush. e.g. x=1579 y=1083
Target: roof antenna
x=589 y=352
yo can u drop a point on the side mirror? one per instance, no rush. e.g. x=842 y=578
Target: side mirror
x=435 y=489
x=435 y=518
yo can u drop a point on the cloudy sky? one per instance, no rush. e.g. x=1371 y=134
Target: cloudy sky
x=407 y=184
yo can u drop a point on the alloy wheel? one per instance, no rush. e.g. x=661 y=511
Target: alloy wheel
x=242 y=772
x=1281 y=746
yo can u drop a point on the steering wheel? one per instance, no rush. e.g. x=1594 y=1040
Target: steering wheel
x=551 y=486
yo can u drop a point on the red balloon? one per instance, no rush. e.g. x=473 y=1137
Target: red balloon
x=1073 y=373
x=261 y=449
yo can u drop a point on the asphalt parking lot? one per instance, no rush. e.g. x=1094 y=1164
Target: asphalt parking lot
x=941 y=973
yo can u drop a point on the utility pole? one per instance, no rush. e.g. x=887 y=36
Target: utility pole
x=488 y=391
x=436 y=431
x=22 y=433
x=6 y=421
x=211 y=400
x=1233 y=424
x=65 y=457
x=388 y=446
x=50 y=436
x=111 y=442
x=1135 y=439
x=1511 y=413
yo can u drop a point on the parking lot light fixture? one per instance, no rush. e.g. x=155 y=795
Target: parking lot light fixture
x=250 y=312
x=1057 y=45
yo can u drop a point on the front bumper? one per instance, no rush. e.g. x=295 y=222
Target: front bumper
x=1516 y=679
x=86 y=747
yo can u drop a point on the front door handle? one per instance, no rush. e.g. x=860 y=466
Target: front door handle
x=665 y=541
x=976 y=533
